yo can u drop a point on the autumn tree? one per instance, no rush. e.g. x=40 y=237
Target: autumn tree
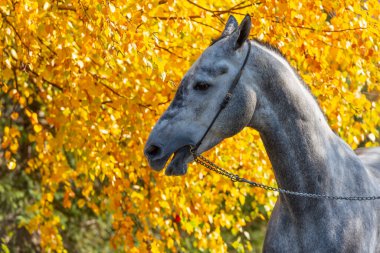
x=82 y=83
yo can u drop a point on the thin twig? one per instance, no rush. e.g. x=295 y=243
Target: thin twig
x=147 y=106
x=201 y=7
x=62 y=7
x=27 y=68
x=234 y=9
x=112 y=90
x=170 y=52
x=230 y=10
x=14 y=29
x=216 y=29
x=175 y=18
x=48 y=47
x=316 y=30
x=98 y=79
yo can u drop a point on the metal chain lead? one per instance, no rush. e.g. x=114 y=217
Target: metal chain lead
x=235 y=178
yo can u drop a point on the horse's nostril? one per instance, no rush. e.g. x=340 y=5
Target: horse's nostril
x=152 y=151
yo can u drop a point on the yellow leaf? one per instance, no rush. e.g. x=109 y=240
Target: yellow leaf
x=49 y=196
x=14 y=146
x=37 y=128
x=14 y=115
x=11 y=164
x=81 y=203
x=241 y=198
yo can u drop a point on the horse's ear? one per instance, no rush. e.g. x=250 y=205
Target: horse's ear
x=244 y=29
x=231 y=26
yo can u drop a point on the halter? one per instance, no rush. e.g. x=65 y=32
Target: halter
x=225 y=101
x=235 y=178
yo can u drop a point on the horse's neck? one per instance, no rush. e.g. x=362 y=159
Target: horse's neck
x=305 y=154
x=296 y=137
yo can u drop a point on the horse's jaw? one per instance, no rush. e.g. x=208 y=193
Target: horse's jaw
x=178 y=165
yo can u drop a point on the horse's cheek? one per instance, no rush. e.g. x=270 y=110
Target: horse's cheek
x=238 y=116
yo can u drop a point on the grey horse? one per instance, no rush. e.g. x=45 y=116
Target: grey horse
x=305 y=153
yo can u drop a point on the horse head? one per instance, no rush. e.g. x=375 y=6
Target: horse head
x=198 y=100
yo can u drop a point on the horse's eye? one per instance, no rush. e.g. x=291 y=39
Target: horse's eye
x=201 y=86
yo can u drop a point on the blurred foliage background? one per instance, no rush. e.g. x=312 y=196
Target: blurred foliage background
x=83 y=82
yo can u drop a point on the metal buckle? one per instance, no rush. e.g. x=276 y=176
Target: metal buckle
x=193 y=151
x=235 y=178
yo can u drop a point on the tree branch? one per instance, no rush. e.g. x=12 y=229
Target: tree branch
x=48 y=47
x=14 y=29
x=206 y=25
x=27 y=68
x=63 y=7
x=112 y=90
x=219 y=12
x=201 y=7
x=316 y=30
x=170 y=52
x=98 y=80
x=148 y=106
x=175 y=18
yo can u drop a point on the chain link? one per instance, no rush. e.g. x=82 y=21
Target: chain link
x=235 y=178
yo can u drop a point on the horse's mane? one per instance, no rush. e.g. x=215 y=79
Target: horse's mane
x=270 y=47
x=278 y=52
